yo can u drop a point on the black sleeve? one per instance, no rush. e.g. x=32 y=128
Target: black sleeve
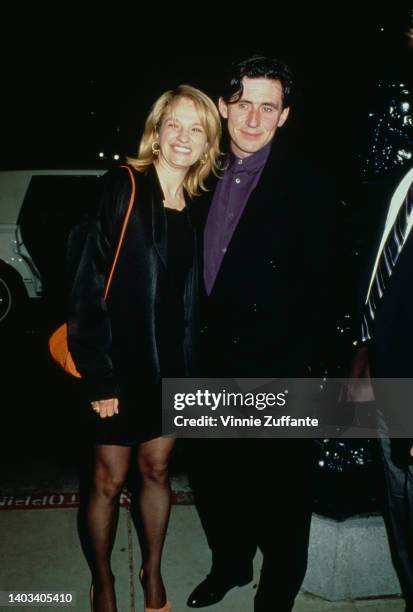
x=400 y=451
x=90 y=337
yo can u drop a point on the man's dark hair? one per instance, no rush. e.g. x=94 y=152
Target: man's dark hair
x=258 y=66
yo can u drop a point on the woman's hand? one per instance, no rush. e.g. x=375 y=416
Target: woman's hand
x=106 y=408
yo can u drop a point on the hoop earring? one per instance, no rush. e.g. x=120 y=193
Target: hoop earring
x=155 y=147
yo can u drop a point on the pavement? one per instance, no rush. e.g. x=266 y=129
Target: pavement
x=41 y=552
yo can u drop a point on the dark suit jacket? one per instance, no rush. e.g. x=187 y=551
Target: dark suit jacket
x=269 y=311
x=393 y=332
x=390 y=350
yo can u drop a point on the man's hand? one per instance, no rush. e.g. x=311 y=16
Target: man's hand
x=411 y=452
x=106 y=408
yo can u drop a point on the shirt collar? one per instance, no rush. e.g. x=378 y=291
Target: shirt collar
x=251 y=164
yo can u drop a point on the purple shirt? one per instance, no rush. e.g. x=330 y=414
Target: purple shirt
x=230 y=197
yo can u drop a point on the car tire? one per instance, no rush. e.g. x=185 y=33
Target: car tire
x=13 y=299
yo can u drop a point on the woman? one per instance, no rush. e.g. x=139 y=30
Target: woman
x=146 y=327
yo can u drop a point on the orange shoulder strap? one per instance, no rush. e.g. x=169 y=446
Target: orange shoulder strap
x=122 y=234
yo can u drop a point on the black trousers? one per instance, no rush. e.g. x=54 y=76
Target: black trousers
x=256 y=493
x=398 y=510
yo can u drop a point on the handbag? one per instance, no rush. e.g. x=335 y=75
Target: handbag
x=58 y=341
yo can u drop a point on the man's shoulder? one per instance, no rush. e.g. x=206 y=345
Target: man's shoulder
x=308 y=177
x=294 y=161
x=308 y=167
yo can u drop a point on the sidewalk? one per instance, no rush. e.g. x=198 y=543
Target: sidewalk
x=41 y=551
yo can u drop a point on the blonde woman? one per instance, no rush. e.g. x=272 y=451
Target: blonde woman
x=146 y=328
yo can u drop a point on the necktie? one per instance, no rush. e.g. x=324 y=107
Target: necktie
x=387 y=261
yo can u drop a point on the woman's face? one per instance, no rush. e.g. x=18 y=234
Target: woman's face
x=182 y=138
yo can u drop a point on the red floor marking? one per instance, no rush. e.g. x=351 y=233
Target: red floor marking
x=41 y=500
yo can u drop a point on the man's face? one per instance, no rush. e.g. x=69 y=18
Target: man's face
x=255 y=117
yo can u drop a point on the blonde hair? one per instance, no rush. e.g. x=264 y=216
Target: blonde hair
x=209 y=118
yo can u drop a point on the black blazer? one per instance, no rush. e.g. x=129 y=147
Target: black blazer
x=390 y=347
x=270 y=310
x=389 y=350
x=117 y=343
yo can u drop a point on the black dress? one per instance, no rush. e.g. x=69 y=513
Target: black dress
x=140 y=414
x=180 y=257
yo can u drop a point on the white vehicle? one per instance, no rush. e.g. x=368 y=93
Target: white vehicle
x=38 y=208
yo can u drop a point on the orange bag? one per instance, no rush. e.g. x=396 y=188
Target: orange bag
x=58 y=345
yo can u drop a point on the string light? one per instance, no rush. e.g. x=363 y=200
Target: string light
x=390 y=130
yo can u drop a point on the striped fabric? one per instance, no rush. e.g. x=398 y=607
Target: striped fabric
x=388 y=258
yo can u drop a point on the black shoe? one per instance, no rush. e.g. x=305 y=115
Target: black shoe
x=214 y=588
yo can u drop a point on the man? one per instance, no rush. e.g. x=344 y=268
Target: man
x=387 y=329
x=387 y=335
x=266 y=285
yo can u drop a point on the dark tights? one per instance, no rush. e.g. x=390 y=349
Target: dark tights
x=110 y=471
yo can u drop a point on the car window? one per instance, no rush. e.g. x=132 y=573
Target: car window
x=52 y=207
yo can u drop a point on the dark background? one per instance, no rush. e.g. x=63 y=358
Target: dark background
x=83 y=83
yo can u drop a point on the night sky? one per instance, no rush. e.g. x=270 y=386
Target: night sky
x=71 y=92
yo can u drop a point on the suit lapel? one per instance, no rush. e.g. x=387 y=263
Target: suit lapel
x=379 y=199
x=159 y=228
